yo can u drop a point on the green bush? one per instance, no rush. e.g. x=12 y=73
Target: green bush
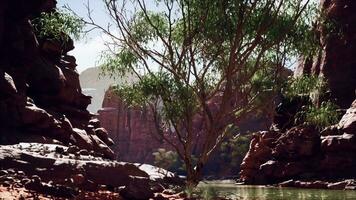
x=304 y=86
x=234 y=149
x=317 y=112
x=53 y=25
x=168 y=160
x=324 y=115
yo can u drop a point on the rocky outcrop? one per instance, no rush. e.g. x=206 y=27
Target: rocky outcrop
x=303 y=153
x=69 y=172
x=41 y=98
x=336 y=60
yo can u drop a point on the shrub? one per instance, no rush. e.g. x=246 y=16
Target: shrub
x=324 y=115
x=168 y=160
x=306 y=85
x=234 y=149
x=54 y=24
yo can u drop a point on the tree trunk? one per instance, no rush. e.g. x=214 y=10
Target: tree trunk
x=194 y=175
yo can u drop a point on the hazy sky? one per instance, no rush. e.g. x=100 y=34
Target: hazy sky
x=88 y=49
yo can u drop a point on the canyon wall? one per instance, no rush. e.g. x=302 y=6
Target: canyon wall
x=303 y=152
x=336 y=60
x=41 y=98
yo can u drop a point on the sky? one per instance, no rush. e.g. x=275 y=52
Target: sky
x=87 y=50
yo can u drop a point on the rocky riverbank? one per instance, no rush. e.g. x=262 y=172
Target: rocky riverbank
x=303 y=153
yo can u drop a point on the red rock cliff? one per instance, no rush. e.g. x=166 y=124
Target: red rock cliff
x=303 y=152
x=336 y=61
x=40 y=95
x=132 y=129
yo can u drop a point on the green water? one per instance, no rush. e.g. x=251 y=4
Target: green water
x=239 y=192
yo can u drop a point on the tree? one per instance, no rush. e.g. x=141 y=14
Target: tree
x=203 y=59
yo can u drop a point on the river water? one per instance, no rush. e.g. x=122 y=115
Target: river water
x=243 y=192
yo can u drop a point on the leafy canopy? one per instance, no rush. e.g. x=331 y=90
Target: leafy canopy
x=58 y=25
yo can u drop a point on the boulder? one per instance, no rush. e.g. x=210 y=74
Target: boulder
x=337 y=143
x=7 y=86
x=137 y=189
x=348 y=122
x=297 y=142
x=104 y=136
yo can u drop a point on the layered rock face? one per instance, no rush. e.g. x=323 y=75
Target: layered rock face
x=40 y=95
x=336 y=61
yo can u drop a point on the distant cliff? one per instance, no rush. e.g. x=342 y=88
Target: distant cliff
x=95 y=86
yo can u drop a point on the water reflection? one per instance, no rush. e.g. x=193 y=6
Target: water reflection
x=238 y=192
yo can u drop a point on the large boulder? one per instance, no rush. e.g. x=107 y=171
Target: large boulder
x=298 y=142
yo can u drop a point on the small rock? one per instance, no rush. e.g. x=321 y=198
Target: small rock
x=9 y=179
x=84 y=152
x=337 y=186
x=36 y=179
x=69 y=181
x=33 y=185
x=168 y=192
x=95 y=123
x=350 y=188
x=6 y=184
x=18 y=185
x=78 y=179
x=21 y=173
x=72 y=149
x=25 y=181
x=59 y=150
x=137 y=189
x=289 y=183
x=3 y=172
